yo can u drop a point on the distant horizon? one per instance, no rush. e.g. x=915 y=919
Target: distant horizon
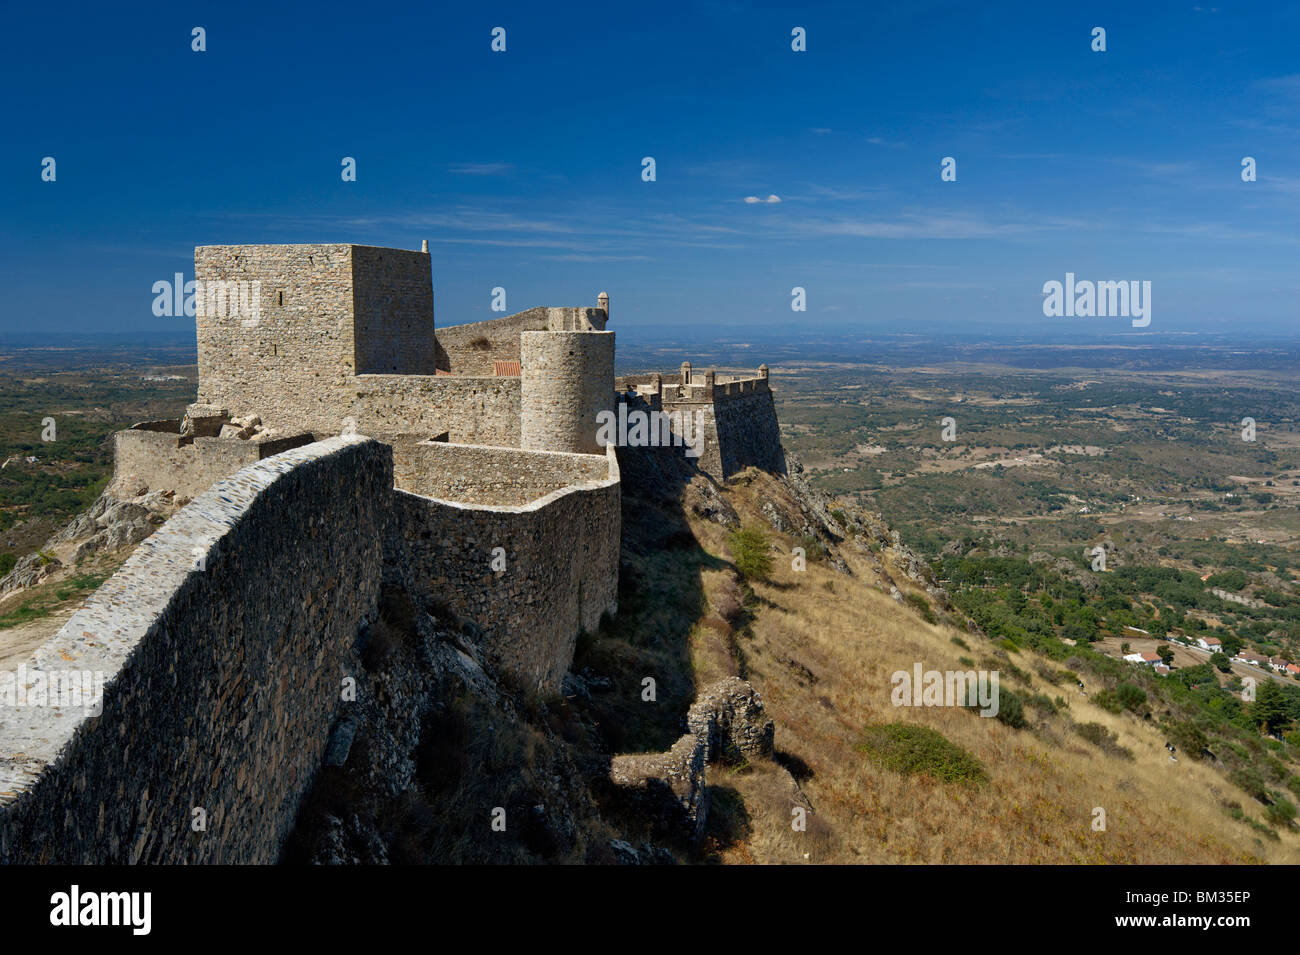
x=782 y=175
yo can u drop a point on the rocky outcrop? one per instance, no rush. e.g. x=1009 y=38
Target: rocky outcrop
x=704 y=500
x=108 y=525
x=28 y=572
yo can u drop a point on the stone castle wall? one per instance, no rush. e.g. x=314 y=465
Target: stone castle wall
x=746 y=432
x=224 y=676
x=470 y=410
x=471 y=349
x=561 y=576
x=146 y=459
x=737 y=414
x=485 y=475
x=567 y=381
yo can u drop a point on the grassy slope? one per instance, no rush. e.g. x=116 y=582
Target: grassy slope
x=820 y=647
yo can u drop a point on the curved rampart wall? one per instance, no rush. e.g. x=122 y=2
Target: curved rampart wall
x=560 y=570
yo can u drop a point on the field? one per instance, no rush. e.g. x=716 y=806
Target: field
x=88 y=393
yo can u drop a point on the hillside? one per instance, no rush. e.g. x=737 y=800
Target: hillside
x=820 y=646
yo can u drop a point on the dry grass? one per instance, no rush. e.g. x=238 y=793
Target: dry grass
x=822 y=659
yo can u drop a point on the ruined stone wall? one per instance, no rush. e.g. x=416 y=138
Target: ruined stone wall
x=473 y=410
x=393 y=290
x=473 y=474
x=293 y=366
x=222 y=638
x=145 y=459
x=471 y=349
x=671 y=787
x=567 y=381
x=561 y=575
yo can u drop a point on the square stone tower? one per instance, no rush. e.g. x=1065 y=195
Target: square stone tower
x=283 y=329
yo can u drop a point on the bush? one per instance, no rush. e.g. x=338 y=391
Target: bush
x=1250 y=782
x=1011 y=709
x=1130 y=697
x=1108 y=701
x=751 y=552
x=922 y=606
x=1281 y=813
x=909 y=749
x=1188 y=738
x=7 y=562
x=813 y=547
x=1104 y=739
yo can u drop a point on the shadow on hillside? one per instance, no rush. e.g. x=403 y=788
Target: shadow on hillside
x=661 y=597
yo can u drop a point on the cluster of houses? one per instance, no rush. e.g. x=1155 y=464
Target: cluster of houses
x=1212 y=645
x=1250 y=657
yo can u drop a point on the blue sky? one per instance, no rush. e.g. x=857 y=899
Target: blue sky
x=523 y=168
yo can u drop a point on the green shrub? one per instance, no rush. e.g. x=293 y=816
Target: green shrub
x=910 y=749
x=1187 y=737
x=1250 y=782
x=1130 y=697
x=1104 y=739
x=7 y=562
x=752 y=553
x=1281 y=813
x=813 y=548
x=922 y=606
x=1108 y=701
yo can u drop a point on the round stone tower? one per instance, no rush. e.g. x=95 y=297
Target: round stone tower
x=566 y=381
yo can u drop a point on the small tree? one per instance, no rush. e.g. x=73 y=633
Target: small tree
x=1166 y=654
x=1271 y=707
x=751 y=552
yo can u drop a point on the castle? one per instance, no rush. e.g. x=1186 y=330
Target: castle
x=339 y=446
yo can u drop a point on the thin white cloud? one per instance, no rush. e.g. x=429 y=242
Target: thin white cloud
x=770 y=200
x=481 y=168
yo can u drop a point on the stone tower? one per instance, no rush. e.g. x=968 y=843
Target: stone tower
x=567 y=380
